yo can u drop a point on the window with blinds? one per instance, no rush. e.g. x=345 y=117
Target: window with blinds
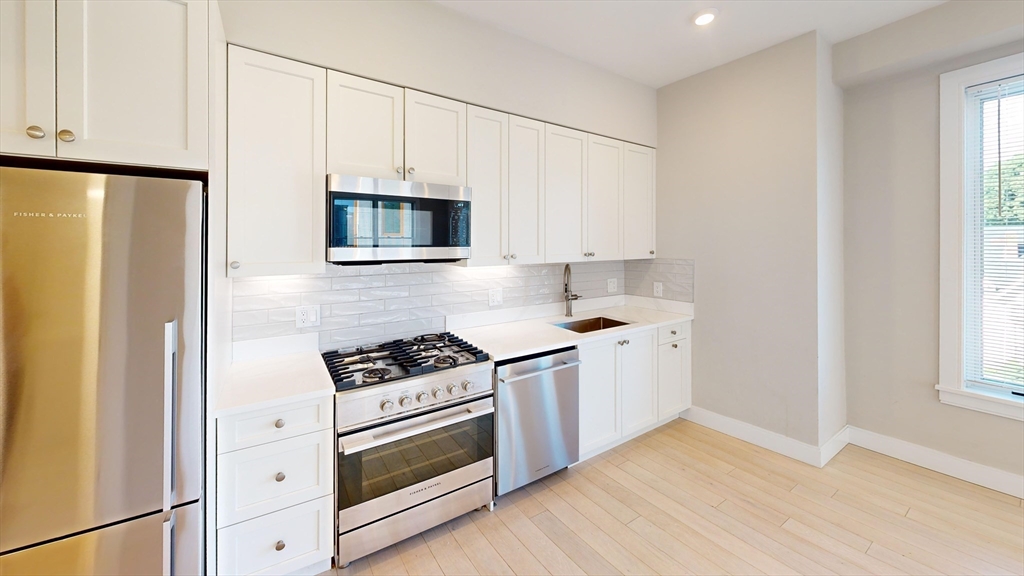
x=993 y=288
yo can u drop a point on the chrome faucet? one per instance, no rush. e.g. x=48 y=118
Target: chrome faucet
x=567 y=288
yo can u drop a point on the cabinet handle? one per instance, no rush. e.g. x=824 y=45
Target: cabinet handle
x=513 y=256
x=35 y=132
x=652 y=252
x=673 y=332
x=235 y=265
x=279 y=546
x=398 y=169
x=627 y=342
x=412 y=171
x=675 y=345
x=66 y=135
x=280 y=477
x=505 y=256
x=279 y=423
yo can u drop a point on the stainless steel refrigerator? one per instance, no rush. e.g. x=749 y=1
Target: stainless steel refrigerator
x=100 y=373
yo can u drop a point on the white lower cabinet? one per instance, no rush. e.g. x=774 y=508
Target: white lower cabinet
x=674 y=373
x=278 y=543
x=639 y=386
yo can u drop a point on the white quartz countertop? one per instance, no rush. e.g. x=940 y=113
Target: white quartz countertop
x=257 y=384
x=512 y=339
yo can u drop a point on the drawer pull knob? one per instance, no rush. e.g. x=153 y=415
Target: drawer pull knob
x=280 y=422
x=280 y=477
x=675 y=345
x=673 y=332
x=279 y=546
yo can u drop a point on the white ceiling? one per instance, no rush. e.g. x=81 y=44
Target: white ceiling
x=656 y=43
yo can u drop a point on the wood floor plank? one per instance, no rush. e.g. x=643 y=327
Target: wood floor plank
x=902 y=562
x=618 y=510
x=574 y=547
x=984 y=535
x=448 y=553
x=699 y=444
x=360 y=567
x=484 y=557
x=642 y=456
x=547 y=552
x=869 y=563
x=675 y=548
x=516 y=555
x=387 y=561
x=418 y=559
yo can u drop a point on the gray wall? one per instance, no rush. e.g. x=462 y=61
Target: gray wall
x=892 y=272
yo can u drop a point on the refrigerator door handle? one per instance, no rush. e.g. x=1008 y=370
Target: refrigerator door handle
x=170 y=385
x=168 y=527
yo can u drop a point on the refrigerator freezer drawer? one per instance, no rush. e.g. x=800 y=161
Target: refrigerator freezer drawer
x=265 y=478
x=278 y=543
x=257 y=427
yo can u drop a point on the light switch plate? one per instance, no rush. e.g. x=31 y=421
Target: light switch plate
x=494 y=297
x=613 y=285
x=306 y=316
x=658 y=291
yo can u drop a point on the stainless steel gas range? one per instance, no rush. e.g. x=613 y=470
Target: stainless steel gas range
x=415 y=438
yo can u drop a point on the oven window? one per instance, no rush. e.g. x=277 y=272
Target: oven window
x=378 y=471
x=368 y=221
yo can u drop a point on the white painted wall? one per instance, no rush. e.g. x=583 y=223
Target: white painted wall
x=428 y=47
x=831 y=344
x=892 y=272
x=737 y=193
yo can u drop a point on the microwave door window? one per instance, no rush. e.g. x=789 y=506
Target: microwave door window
x=364 y=221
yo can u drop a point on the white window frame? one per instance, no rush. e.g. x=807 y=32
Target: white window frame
x=952 y=120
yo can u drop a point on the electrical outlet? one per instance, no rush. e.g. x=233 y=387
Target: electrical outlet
x=658 y=291
x=613 y=285
x=494 y=297
x=306 y=316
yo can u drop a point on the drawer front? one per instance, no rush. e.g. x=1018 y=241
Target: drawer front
x=270 y=424
x=673 y=332
x=269 y=477
x=305 y=534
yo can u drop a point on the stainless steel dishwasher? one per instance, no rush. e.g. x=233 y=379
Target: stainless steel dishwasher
x=537 y=416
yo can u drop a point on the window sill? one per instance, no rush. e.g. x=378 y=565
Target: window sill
x=988 y=401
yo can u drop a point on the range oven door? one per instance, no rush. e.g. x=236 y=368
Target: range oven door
x=374 y=220
x=390 y=468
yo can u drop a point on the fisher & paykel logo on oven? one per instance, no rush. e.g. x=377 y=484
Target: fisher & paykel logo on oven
x=49 y=215
x=425 y=488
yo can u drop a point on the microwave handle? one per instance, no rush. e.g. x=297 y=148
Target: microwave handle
x=366 y=440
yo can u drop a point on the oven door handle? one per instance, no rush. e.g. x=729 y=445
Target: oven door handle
x=539 y=372
x=366 y=440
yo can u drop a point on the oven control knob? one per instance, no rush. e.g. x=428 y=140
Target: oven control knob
x=386 y=405
x=467 y=385
x=422 y=397
x=453 y=389
x=438 y=393
x=405 y=401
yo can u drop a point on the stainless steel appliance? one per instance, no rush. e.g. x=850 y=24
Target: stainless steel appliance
x=415 y=438
x=376 y=220
x=538 y=416
x=100 y=373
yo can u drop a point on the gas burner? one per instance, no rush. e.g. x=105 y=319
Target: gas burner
x=430 y=338
x=446 y=361
x=376 y=374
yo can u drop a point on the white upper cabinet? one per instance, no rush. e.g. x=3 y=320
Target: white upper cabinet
x=277 y=118
x=525 y=191
x=132 y=81
x=488 y=177
x=604 y=198
x=565 y=188
x=435 y=139
x=28 y=107
x=638 y=202
x=365 y=127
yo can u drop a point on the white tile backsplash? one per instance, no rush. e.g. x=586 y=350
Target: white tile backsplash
x=676 y=277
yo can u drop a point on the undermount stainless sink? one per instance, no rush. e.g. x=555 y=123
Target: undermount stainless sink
x=591 y=324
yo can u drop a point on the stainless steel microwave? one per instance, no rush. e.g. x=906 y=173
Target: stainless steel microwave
x=375 y=220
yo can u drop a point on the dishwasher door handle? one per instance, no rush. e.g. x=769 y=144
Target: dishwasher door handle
x=539 y=372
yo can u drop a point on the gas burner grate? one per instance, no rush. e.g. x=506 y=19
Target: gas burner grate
x=376 y=374
x=445 y=361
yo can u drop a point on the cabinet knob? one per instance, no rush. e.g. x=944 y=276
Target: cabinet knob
x=513 y=256
x=235 y=265
x=412 y=171
x=673 y=332
x=279 y=546
x=506 y=257
x=398 y=169
x=627 y=342
x=66 y=136
x=280 y=477
x=279 y=423
x=35 y=132
x=652 y=252
x=675 y=345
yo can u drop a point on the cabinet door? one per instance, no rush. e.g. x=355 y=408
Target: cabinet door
x=604 y=198
x=599 y=395
x=487 y=175
x=28 y=77
x=565 y=188
x=276 y=165
x=435 y=139
x=638 y=382
x=638 y=202
x=673 y=378
x=365 y=127
x=526 y=191
x=131 y=81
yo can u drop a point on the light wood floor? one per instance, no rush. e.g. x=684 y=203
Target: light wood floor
x=683 y=499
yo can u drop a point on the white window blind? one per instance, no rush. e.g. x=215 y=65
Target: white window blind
x=993 y=288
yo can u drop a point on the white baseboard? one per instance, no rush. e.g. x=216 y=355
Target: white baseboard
x=987 y=476
x=773 y=441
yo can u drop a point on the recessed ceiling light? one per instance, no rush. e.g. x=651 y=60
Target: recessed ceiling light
x=705 y=17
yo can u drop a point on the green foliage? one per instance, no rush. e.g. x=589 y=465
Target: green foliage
x=1012 y=205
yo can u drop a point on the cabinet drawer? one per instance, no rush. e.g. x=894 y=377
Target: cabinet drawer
x=267 y=478
x=305 y=534
x=673 y=332
x=262 y=426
